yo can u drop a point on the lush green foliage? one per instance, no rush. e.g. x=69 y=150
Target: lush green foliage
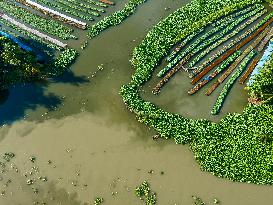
x=222 y=37
x=115 y=18
x=240 y=146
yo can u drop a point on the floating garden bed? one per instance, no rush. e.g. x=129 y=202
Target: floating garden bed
x=239 y=147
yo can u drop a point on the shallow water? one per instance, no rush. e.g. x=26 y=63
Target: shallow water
x=95 y=145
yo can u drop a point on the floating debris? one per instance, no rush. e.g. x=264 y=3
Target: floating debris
x=8 y=156
x=32 y=159
x=98 y=201
x=30 y=181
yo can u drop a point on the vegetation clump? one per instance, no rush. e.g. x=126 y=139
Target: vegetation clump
x=144 y=193
x=115 y=18
x=232 y=148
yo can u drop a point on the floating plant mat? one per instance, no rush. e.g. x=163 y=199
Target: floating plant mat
x=239 y=147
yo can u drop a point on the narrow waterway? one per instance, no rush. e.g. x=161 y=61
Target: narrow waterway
x=87 y=144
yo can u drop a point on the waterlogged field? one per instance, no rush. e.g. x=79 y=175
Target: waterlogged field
x=74 y=140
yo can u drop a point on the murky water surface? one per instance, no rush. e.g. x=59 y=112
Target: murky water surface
x=87 y=144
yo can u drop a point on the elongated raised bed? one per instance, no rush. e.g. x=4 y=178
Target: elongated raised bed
x=33 y=31
x=54 y=14
x=225 y=56
x=238 y=60
x=249 y=70
x=218 y=70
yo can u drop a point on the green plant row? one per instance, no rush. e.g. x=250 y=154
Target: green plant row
x=224 y=21
x=233 y=43
x=73 y=6
x=65 y=9
x=239 y=147
x=30 y=35
x=115 y=18
x=225 y=35
x=221 y=98
x=182 y=44
x=193 y=48
x=218 y=70
x=47 y=25
x=96 y=3
x=80 y=4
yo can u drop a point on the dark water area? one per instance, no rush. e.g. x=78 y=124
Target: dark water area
x=95 y=146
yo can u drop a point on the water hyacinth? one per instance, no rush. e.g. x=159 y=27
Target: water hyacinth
x=144 y=192
x=115 y=18
x=239 y=147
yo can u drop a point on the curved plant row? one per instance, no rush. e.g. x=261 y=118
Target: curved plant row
x=224 y=21
x=181 y=45
x=224 y=35
x=230 y=45
x=218 y=70
x=252 y=46
x=115 y=18
x=201 y=42
x=226 y=38
x=221 y=98
x=239 y=147
x=65 y=9
x=36 y=21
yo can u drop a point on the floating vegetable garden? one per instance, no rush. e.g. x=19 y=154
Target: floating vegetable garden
x=239 y=147
x=40 y=29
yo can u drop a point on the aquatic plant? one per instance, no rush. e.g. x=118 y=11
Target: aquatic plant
x=144 y=192
x=233 y=147
x=98 y=201
x=115 y=18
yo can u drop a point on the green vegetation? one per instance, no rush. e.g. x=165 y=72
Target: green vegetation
x=98 y=201
x=239 y=146
x=19 y=66
x=144 y=193
x=115 y=18
x=221 y=98
x=46 y=25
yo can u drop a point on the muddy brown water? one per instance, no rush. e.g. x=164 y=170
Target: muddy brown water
x=95 y=145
